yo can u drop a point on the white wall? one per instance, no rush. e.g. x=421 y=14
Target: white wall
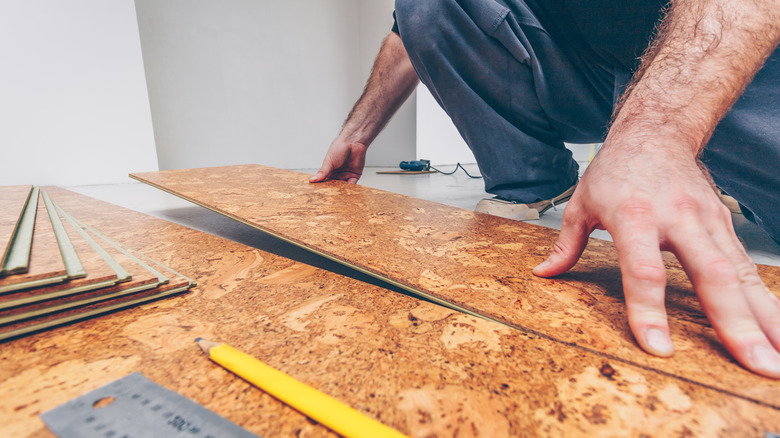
x=258 y=81
x=437 y=138
x=73 y=100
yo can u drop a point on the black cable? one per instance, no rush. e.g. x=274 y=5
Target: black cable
x=455 y=170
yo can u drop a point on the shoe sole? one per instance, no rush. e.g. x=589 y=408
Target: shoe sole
x=521 y=212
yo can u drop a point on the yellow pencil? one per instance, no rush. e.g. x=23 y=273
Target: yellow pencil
x=322 y=408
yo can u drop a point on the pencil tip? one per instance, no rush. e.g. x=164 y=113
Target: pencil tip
x=205 y=344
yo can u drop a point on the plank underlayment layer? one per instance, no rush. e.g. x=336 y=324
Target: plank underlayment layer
x=418 y=367
x=13 y=199
x=476 y=261
x=46 y=264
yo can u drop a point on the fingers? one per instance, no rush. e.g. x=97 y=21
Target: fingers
x=644 y=278
x=344 y=161
x=569 y=246
x=732 y=295
x=764 y=305
x=323 y=173
x=320 y=176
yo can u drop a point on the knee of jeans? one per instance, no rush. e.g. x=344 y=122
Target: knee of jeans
x=421 y=24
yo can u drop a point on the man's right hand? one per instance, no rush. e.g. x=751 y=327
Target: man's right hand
x=344 y=161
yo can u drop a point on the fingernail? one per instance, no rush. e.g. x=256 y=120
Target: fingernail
x=542 y=266
x=659 y=341
x=765 y=359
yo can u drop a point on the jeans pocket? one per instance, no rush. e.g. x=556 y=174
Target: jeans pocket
x=488 y=15
x=498 y=22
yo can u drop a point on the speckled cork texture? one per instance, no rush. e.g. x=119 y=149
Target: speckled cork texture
x=12 y=202
x=477 y=261
x=420 y=368
x=46 y=265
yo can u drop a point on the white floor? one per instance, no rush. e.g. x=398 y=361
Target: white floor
x=457 y=190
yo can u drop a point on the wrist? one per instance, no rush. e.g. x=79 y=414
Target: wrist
x=642 y=124
x=353 y=135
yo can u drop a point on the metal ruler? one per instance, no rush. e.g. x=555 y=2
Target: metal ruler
x=136 y=407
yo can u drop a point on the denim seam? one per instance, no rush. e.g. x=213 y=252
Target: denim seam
x=497 y=21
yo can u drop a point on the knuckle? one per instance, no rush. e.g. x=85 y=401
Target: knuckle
x=561 y=247
x=647 y=272
x=650 y=316
x=745 y=328
x=571 y=219
x=636 y=210
x=748 y=275
x=721 y=270
x=687 y=203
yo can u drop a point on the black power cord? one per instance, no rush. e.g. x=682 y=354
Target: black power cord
x=455 y=170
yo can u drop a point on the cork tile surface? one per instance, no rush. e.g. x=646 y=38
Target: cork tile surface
x=423 y=369
x=45 y=259
x=12 y=202
x=477 y=261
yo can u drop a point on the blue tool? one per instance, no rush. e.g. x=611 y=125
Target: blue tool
x=415 y=166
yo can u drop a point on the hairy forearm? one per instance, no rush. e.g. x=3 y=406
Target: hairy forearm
x=704 y=55
x=391 y=82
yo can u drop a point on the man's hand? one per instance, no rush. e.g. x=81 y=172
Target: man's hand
x=391 y=82
x=344 y=161
x=654 y=201
x=645 y=187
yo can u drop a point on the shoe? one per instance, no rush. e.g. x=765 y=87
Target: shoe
x=729 y=202
x=498 y=206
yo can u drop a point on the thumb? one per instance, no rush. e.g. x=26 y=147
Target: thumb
x=566 y=250
x=321 y=174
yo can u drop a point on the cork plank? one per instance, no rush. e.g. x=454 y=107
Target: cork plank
x=46 y=265
x=420 y=368
x=13 y=199
x=476 y=261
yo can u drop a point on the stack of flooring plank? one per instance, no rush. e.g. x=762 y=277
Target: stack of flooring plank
x=55 y=270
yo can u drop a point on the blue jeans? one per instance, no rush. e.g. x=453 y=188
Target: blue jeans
x=516 y=97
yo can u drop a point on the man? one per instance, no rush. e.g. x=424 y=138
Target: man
x=519 y=77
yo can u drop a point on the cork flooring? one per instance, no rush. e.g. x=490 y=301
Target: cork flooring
x=416 y=366
x=479 y=262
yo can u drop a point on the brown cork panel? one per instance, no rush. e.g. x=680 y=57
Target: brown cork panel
x=477 y=261
x=12 y=202
x=45 y=259
x=420 y=368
